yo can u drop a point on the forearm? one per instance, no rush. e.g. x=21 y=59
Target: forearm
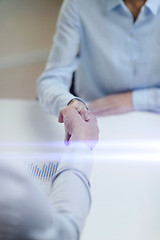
x=63 y=214
x=70 y=193
x=53 y=92
x=146 y=99
x=52 y=96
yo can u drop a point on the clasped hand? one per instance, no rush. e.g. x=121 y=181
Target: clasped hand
x=81 y=125
x=78 y=129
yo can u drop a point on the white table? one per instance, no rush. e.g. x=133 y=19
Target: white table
x=31 y=136
x=126 y=174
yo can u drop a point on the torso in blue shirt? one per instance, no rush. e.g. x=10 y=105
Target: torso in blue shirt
x=117 y=54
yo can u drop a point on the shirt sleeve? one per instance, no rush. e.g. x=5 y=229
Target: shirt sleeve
x=70 y=193
x=54 y=83
x=62 y=214
x=146 y=99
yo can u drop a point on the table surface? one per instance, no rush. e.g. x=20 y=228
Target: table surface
x=126 y=173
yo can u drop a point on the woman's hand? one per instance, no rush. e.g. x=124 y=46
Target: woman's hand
x=80 y=108
x=112 y=104
x=76 y=128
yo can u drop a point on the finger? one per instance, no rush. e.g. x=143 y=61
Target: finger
x=67 y=137
x=70 y=115
x=85 y=114
x=81 y=109
x=60 y=117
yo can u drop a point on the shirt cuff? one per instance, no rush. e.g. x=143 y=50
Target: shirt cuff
x=140 y=100
x=78 y=157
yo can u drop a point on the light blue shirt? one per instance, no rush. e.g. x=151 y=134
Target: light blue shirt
x=109 y=52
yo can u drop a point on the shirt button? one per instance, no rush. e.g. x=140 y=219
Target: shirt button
x=129 y=63
x=131 y=35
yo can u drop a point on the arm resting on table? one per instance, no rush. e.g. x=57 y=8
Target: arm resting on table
x=146 y=99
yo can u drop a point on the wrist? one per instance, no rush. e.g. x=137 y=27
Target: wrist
x=71 y=101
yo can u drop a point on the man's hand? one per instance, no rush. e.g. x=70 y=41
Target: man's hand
x=112 y=104
x=81 y=109
x=76 y=128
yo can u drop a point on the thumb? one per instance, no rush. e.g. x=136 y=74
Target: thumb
x=85 y=114
x=60 y=117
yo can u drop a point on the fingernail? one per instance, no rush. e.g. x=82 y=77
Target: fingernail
x=86 y=116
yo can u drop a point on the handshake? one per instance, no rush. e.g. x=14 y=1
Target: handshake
x=77 y=129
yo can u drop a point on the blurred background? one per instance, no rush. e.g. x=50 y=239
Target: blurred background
x=26 y=31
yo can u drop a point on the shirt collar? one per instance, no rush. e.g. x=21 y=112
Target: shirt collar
x=153 y=5
x=110 y=4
